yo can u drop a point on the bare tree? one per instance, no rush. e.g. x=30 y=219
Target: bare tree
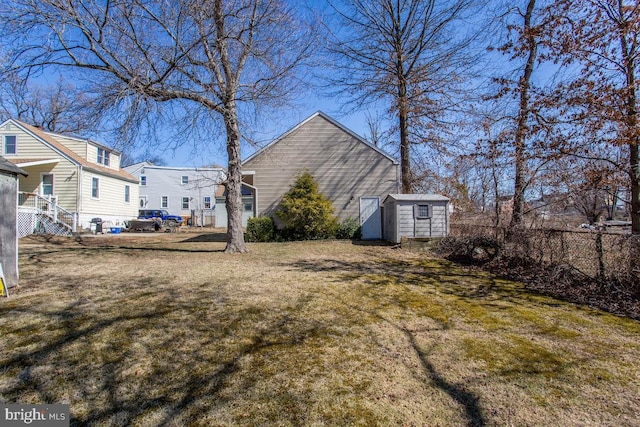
x=602 y=39
x=408 y=53
x=530 y=47
x=375 y=128
x=223 y=57
x=57 y=107
x=521 y=48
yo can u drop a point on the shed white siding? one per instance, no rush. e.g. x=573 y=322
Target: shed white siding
x=8 y=229
x=401 y=218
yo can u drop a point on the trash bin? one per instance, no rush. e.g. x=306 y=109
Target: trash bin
x=96 y=225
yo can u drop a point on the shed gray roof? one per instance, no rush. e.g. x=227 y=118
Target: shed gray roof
x=418 y=197
x=7 y=166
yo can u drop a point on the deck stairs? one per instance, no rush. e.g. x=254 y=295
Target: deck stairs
x=42 y=215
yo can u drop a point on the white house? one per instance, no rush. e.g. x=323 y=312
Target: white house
x=179 y=190
x=71 y=180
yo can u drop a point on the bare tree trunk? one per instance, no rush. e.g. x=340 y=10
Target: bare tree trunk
x=235 y=235
x=517 y=216
x=632 y=124
x=405 y=154
x=635 y=188
x=496 y=191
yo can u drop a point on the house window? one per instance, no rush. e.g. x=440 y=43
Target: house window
x=248 y=207
x=103 y=157
x=185 y=203
x=421 y=211
x=164 y=202
x=10 y=144
x=47 y=185
x=127 y=194
x=207 y=202
x=95 y=188
x=185 y=179
x=143 y=180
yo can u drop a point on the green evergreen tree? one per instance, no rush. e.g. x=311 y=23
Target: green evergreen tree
x=305 y=212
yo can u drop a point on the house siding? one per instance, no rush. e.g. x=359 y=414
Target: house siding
x=167 y=181
x=65 y=185
x=76 y=145
x=344 y=167
x=110 y=199
x=88 y=150
x=73 y=165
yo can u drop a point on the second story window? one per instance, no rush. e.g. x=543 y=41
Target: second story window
x=164 y=202
x=143 y=180
x=127 y=194
x=103 y=157
x=9 y=144
x=95 y=188
x=185 y=179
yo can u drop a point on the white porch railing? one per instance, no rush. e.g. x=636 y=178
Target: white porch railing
x=42 y=215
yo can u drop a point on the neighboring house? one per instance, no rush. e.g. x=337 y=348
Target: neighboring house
x=248 y=204
x=181 y=191
x=350 y=172
x=415 y=216
x=71 y=180
x=9 y=175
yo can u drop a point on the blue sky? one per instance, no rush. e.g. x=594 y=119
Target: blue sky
x=201 y=155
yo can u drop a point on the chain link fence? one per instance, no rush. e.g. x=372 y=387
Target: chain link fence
x=597 y=254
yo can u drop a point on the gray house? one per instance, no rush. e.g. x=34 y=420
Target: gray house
x=415 y=216
x=179 y=190
x=352 y=173
x=9 y=220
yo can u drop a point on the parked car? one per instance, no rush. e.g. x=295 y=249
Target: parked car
x=160 y=214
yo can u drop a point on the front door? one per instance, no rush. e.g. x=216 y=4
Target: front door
x=370 y=219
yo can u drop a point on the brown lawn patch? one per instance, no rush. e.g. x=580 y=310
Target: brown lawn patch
x=166 y=329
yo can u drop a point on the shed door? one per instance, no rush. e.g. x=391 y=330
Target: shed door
x=370 y=220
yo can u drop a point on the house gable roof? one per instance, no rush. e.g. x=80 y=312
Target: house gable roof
x=330 y=120
x=7 y=166
x=47 y=138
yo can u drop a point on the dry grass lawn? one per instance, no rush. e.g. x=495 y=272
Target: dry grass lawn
x=165 y=329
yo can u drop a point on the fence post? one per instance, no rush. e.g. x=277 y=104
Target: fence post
x=600 y=251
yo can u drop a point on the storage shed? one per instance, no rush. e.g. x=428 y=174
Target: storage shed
x=9 y=220
x=415 y=216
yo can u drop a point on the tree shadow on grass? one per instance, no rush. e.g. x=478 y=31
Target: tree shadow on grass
x=441 y=275
x=427 y=279
x=207 y=237
x=136 y=364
